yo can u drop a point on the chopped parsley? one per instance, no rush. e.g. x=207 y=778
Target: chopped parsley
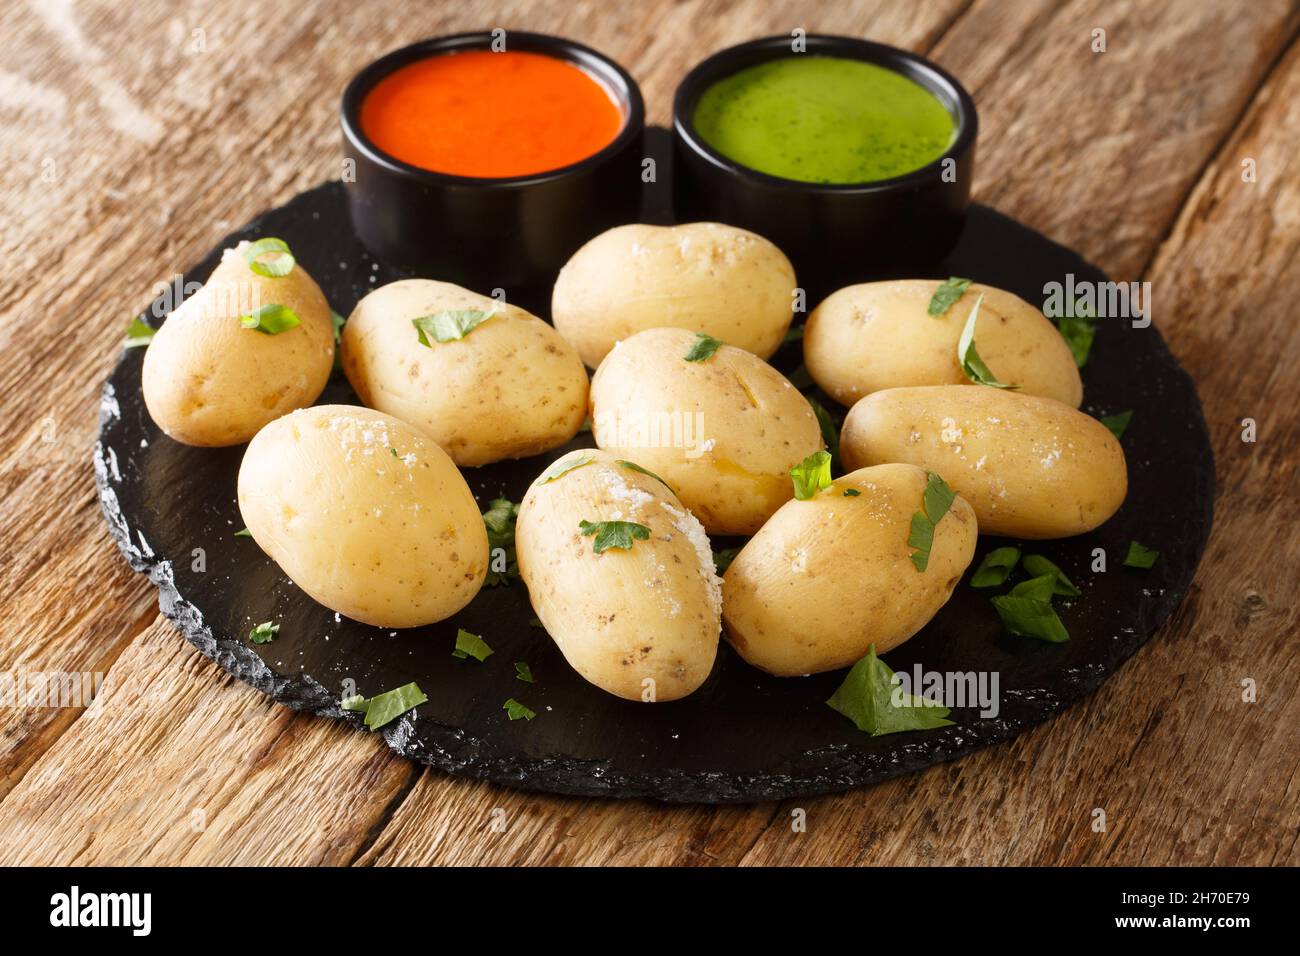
x=613 y=534
x=563 y=467
x=386 y=707
x=722 y=558
x=264 y=633
x=969 y=358
x=242 y=533
x=1028 y=612
x=949 y=291
x=867 y=698
x=470 y=645
x=704 y=347
x=935 y=502
x=517 y=711
x=138 y=334
x=1140 y=556
x=1079 y=329
x=633 y=466
x=499 y=520
x=450 y=325
x=830 y=434
x=851 y=492
x=523 y=672
x=1117 y=423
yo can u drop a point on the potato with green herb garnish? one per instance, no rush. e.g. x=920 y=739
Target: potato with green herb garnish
x=718 y=424
x=621 y=575
x=1030 y=467
x=254 y=343
x=366 y=514
x=831 y=575
x=904 y=332
x=701 y=276
x=488 y=381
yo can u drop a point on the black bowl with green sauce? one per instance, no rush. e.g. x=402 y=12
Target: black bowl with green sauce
x=854 y=157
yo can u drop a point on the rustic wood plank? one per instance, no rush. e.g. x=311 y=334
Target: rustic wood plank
x=177 y=762
x=186 y=145
x=1099 y=150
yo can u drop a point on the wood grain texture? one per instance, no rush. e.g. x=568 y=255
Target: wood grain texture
x=130 y=154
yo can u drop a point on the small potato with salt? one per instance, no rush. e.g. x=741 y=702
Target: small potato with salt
x=880 y=335
x=702 y=276
x=621 y=575
x=1030 y=467
x=828 y=577
x=366 y=514
x=210 y=379
x=723 y=430
x=487 y=381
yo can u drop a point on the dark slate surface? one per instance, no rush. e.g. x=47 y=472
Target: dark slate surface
x=744 y=736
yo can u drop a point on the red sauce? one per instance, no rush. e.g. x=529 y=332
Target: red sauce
x=485 y=114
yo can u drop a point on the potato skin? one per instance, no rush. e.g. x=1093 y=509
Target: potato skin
x=510 y=388
x=878 y=335
x=700 y=276
x=828 y=577
x=393 y=540
x=1030 y=467
x=621 y=616
x=743 y=425
x=209 y=381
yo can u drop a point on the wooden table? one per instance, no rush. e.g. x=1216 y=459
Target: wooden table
x=133 y=136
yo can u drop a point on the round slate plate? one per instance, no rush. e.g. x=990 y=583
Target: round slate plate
x=743 y=736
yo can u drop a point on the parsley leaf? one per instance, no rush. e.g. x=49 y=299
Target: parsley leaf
x=811 y=475
x=935 y=501
x=449 y=325
x=471 y=645
x=949 y=291
x=633 y=466
x=523 y=672
x=264 y=633
x=1140 y=556
x=242 y=533
x=138 y=334
x=613 y=534
x=1079 y=329
x=1117 y=423
x=517 y=711
x=499 y=520
x=704 y=347
x=722 y=558
x=563 y=467
x=969 y=359
x=851 y=492
x=866 y=698
x=386 y=707
x=271 y=319
x=830 y=434
x=995 y=568
x=1029 y=615
x=1036 y=566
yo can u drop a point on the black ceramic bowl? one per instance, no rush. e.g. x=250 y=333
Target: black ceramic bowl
x=490 y=233
x=834 y=234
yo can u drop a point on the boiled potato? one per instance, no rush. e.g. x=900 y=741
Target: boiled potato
x=702 y=276
x=510 y=388
x=828 y=577
x=641 y=623
x=723 y=432
x=1030 y=467
x=879 y=335
x=209 y=381
x=366 y=514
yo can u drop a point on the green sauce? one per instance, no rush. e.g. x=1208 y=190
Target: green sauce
x=821 y=119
